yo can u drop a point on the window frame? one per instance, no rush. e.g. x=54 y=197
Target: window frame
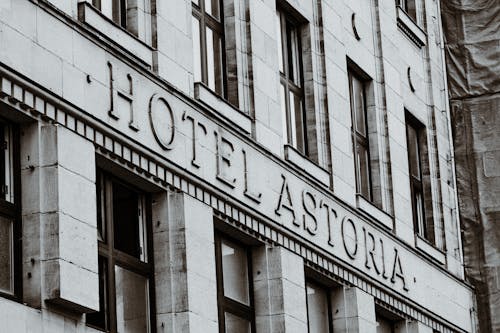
x=403 y=4
x=209 y=21
x=12 y=210
x=224 y=303
x=285 y=20
x=327 y=292
x=357 y=136
x=417 y=185
x=385 y=318
x=112 y=257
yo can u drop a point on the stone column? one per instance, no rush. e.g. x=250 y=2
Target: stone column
x=353 y=311
x=279 y=290
x=184 y=254
x=59 y=218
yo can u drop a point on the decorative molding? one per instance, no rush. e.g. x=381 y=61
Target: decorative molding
x=410 y=28
x=44 y=106
x=354 y=29
x=410 y=82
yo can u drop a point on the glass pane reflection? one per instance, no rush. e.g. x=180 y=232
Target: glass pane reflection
x=235 y=272
x=132 y=304
x=236 y=324
x=6 y=264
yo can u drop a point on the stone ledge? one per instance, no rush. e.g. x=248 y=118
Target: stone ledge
x=303 y=163
x=221 y=107
x=378 y=214
x=89 y=15
x=410 y=28
x=430 y=250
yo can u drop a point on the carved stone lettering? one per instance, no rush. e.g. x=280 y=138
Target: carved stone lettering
x=256 y=197
x=309 y=217
x=350 y=250
x=370 y=249
x=196 y=124
x=285 y=201
x=121 y=98
x=224 y=159
x=331 y=216
x=397 y=270
x=162 y=120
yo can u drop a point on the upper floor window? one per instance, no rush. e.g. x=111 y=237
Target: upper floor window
x=417 y=148
x=360 y=136
x=291 y=90
x=234 y=286
x=9 y=217
x=208 y=44
x=125 y=269
x=318 y=308
x=410 y=8
x=131 y=15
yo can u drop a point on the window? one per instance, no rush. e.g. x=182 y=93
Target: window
x=291 y=90
x=318 y=308
x=125 y=269
x=360 y=136
x=409 y=7
x=384 y=325
x=131 y=15
x=234 y=286
x=9 y=211
x=416 y=141
x=208 y=45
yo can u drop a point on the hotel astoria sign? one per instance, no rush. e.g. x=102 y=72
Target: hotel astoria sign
x=191 y=140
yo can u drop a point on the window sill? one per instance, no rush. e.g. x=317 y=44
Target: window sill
x=379 y=215
x=222 y=107
x=430 y=250
x=89 y=15
x=305 y=164
x=410 y=28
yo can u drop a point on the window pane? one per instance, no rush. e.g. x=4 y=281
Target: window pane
x=196 y=49
x=107 y=8
x=6 y=164
x=419 y=202
x=126 y=220
x=317 y=308
x=364 y=171
x=132 y=302
x=6 y=256
x=410 y=8
x=413 y=151
x=384 y=325
x=236 y=324
x=210 y=59
x=235 y=272
x=284 y=116
x=291 y=114
x=299 y=131
x=212 y=8
x=293 y=54
x=279 y=31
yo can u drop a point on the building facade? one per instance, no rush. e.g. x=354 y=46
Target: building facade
x=227 y=166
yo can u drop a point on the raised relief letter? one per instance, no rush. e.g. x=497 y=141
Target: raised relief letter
x=384 y=274
x=397 y=270
x=285 y=201
x=351 y=252
x=162 y=121
x=251 y=195
x=126 y=96
x=195 y=124
x=329 y=220
x=224 y=158
x=309 y=203
x=370 y=253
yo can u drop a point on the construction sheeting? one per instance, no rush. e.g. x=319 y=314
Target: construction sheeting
x=472 y=48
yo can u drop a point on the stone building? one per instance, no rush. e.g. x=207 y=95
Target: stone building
x=227 y=166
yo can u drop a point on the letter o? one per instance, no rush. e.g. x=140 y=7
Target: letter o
x=350 y=252
x=162 y=121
